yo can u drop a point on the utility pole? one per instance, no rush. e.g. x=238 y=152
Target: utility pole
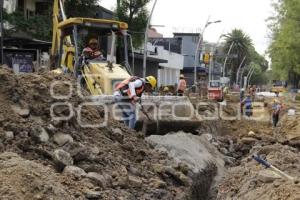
x=200 y=41
x=146 y=39
x=2 y=33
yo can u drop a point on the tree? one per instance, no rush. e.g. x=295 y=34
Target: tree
x=242 y=44
x=285 y=45
x=134 y=12
x=38 y=26
x=81 y=8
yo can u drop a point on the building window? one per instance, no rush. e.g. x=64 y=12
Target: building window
x=29 y=13
x=195 y=39
x=20 y=5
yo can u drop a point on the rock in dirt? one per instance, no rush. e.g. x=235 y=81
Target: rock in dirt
x=62 y=158
x=117 y=135
x=9 y=135
x=248 y=140
x=267 y=176
x=61 y=139
x=135 y=181
x=89 y=194
x=229 y=160
x=157 y=183
x=99 y=179
x=23 y=112
x=74 y=171
x=251 y=134
x=39 y=134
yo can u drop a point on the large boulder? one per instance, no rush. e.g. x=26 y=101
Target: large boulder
x=195 y=151
x=205 y=163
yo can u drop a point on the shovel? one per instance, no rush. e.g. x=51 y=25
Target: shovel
x=273 y=168
x=146 y=123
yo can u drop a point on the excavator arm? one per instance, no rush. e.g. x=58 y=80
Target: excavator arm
x=62 y=49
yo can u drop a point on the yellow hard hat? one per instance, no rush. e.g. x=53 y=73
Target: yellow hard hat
x=93 y=40
x=166 y=89
x=151 y=80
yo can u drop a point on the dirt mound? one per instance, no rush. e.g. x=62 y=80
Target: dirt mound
x=250 y=180
x=117 y=161
x=20 y=181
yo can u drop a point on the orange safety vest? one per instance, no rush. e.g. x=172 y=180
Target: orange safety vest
x=123 y=87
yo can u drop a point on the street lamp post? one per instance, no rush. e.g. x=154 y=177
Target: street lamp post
x=251 y=70
x=146 y=39
x=224 y=65
x=238 y=71
x=250 y=76
x=200 y=41
x=211 y=64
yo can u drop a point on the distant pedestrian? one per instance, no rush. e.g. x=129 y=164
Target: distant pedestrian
x=247 y=102
x=181 y=85
x=276 y=107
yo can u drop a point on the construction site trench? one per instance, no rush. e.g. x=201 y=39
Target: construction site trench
x=46 y=152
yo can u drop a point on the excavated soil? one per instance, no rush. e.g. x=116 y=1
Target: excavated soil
x=117 y=162
x=43 y=158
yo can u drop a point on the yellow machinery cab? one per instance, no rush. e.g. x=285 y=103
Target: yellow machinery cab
x=99 y=76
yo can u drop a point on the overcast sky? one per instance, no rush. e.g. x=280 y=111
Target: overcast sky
x=191 y=15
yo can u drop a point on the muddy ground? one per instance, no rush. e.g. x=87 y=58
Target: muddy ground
x=42 y=158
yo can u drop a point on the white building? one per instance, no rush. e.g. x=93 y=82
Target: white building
x=10 y=5
x=168 y=73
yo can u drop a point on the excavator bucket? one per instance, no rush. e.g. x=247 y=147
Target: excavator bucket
x=161 y=114
x=167 y=114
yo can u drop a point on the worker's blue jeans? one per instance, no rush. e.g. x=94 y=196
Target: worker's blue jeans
x=128 y=111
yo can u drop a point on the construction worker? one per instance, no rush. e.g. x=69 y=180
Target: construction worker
x=92 y=51
x=128 y=93
x=167 y=92
x=181 y=85
x=247 y=102
x=276 y=107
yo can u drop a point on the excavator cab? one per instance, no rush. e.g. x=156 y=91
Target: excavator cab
x=99 y=75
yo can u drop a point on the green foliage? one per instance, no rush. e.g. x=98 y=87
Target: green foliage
x=243 y=47
x=36 y=26
x=81 y=8
x=40 y=26
x=285 y=45
x=134 y=12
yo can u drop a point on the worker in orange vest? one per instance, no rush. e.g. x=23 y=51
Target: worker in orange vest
x=128 y=93
x=181 y=85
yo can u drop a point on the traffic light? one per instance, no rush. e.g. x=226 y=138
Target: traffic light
x=206 y=58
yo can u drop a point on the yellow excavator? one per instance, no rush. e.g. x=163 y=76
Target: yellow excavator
x=69 y=38
x=100 y=76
